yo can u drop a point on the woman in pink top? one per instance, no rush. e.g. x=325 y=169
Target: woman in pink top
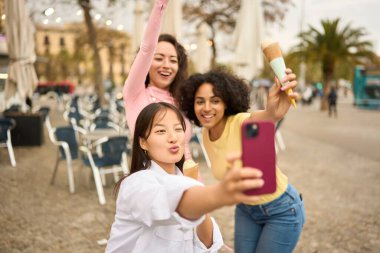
x=156 y=71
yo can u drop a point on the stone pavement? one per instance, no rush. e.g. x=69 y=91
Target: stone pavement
x=334 y=162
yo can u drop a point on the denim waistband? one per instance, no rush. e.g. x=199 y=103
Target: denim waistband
x=290 y=191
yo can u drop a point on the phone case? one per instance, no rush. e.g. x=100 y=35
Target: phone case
x=258 y=151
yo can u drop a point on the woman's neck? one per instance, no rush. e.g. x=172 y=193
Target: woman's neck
x=216 y=131
x=156 y=87
x=158 y=94
x=170 y=169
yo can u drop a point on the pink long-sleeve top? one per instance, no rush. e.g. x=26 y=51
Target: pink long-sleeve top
x=136 y=95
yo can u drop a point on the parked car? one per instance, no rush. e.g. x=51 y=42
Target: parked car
x=60 y=87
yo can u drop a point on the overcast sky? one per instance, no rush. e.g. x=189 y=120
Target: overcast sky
x=360 y=13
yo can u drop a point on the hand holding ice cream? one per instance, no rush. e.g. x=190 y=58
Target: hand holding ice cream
x=273 y=54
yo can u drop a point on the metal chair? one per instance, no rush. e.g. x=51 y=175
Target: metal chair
x=44 y=110
x=103 y=122
x=65 y=138
x=197 y=138
x=111 y=157
x=5 y=137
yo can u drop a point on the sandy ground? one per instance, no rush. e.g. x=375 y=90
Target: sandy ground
x=335 y=163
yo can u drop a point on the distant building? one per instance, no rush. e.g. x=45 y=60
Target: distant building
x=64 y=54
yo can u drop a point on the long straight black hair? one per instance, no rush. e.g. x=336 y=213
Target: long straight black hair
x=143 y=128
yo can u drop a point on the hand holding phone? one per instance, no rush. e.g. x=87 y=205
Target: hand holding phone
x=258 y=151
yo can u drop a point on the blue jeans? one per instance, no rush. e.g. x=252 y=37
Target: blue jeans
x=273 y=227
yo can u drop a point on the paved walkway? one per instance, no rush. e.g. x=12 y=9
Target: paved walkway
x=334 y=162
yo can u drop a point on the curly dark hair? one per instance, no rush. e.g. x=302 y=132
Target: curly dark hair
x=182 y=63
x=233 y=90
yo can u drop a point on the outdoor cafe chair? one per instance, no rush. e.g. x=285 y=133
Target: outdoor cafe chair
x=104 y=122
x=44 y=110
x=196 y=138
x=65 y=138
x=73 y=116
x=5 y=137
x=110 y=157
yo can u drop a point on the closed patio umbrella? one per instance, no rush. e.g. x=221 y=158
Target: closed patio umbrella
x=172 y=22
x=248 y=36
x=19 y=31
x=203 y=51
x=138 y=25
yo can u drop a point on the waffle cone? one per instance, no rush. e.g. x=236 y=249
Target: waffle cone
x=271 y=51
x=192 y=171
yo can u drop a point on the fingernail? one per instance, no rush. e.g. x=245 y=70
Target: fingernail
x=283 y=88
x=284 y=79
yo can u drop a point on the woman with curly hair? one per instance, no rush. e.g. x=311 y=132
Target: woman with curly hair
x=159 y=67
x=218 y=101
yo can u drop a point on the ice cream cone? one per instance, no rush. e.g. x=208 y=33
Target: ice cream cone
x=273 y=54
x=191 y=169
x=271 y=50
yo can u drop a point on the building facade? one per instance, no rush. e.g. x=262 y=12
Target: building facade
x=63 y=53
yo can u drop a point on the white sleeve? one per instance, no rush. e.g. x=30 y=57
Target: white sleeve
x=151 y=200
x=217 y=240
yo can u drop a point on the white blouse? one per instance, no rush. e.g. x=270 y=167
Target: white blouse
x=146 y=219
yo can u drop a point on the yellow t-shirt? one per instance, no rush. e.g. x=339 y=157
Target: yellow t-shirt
x=230 y=141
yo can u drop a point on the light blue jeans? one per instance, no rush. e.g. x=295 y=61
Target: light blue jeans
x=274 y=227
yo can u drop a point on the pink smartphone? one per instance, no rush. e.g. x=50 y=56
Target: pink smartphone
x=258 y=151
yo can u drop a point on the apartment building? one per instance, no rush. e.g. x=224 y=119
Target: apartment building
x=64 y=54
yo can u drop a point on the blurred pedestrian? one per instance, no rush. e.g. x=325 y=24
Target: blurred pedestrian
x=160 y=210
x=332 y=99
x=307 y=95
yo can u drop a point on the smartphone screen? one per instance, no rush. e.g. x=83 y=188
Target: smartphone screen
x=258 y=151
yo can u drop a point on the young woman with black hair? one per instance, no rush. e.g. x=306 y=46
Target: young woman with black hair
x=160 y=210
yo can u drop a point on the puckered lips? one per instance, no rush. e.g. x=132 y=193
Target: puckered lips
x=174 y=149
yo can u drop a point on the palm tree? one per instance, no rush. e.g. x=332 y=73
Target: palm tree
x=333 y=46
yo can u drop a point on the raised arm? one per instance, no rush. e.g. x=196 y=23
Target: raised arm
x=199 y=200
x=135 y=83
x=278 y=101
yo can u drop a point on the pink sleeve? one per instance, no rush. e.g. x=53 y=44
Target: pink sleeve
x=135 y=84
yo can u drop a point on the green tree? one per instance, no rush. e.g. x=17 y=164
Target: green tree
x=332 y=46
x=115 y=42
x=220 y=16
